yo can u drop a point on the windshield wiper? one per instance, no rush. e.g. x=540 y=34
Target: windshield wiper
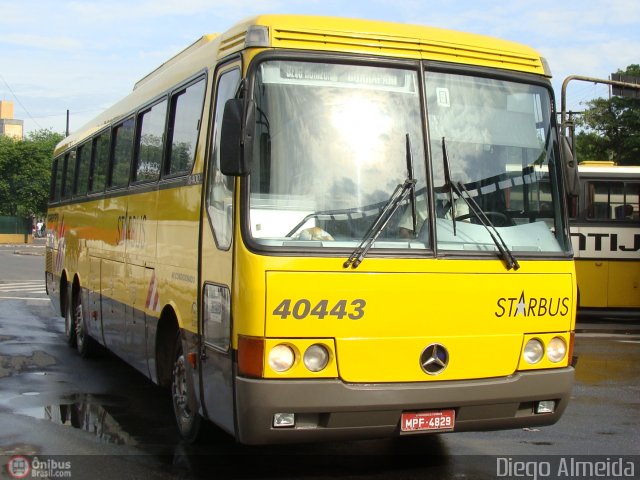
x=377 y=227
x=508 y=257
x=387 y=212
x=448 y=183
x=414 y=216
x=506 y=254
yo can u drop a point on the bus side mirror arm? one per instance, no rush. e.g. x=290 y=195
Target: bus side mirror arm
x=570 y=167
x=236 y=138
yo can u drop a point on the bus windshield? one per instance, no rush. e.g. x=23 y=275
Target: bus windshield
x=501 y=151
x=334 y=142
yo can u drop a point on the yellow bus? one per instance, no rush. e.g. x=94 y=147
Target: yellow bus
x=605 y=231
x=316 y=228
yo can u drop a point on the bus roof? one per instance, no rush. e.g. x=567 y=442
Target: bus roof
x=607 y=169
x=389 y=39
x=316 y=33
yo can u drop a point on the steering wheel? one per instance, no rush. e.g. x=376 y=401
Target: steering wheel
x=498 y=219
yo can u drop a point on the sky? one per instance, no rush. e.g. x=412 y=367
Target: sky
x=84 y=55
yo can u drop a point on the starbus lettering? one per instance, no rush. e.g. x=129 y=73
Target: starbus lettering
x=600 y=243
x=532 y=306
x=131 y=230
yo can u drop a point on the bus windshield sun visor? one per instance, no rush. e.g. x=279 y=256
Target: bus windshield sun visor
x=482 y=217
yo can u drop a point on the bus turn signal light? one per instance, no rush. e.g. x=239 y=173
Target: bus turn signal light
x=251 y=356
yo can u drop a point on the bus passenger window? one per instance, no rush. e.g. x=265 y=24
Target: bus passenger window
x=67 y=174
x=633 y=199
x=56 y=179
x=70 y=177
x=84 y=159
x=98 y=175
x=599 y=200
x=612 y=200
x=122 y=150
x=185 y=116
x=150 y=143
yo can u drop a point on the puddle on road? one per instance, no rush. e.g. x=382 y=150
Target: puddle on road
x=95 y=414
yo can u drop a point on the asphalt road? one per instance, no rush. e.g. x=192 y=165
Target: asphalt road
x=107 y=421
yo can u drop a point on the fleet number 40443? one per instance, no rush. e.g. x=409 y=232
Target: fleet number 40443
x=303 y=308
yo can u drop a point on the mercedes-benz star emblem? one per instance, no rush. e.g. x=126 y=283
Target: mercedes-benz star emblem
x=434 y=359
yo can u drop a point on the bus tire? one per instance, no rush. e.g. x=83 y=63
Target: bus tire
x=84 y=343
x=183 y=397
x=69 y=321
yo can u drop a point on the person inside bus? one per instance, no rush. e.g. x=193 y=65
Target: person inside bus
x=446 y=210
x=624 y=212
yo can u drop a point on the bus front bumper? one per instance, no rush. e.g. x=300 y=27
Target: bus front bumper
x=334 y=410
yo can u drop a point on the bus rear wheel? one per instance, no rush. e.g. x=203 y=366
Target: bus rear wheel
x=185 y=409
x=84 y=343
x=69 y=320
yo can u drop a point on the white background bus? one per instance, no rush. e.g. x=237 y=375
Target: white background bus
x=605 y=232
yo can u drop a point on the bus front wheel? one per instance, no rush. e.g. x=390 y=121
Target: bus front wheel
x=183 y=395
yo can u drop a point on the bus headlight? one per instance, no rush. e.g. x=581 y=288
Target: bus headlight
x=556 y=350
x=281 y=358
x=316 y=357
x=533 y=351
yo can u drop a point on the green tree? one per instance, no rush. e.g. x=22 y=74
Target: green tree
x=25 y=170
x=610 y=128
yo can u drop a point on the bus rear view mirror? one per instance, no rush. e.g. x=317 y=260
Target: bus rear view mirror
x=235 y=142
x=570 y=167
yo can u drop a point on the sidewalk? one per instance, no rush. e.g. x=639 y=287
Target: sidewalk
x=35 y=248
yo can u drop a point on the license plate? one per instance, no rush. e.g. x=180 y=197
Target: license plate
x=433 y=421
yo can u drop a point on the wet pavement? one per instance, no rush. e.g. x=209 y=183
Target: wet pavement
x=111 y=422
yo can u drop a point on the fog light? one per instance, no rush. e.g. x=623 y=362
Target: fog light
x=556 y=350
x=281 y=358
x=546 y=406
x=283 y=420
x=316 y=357
x=533 y=351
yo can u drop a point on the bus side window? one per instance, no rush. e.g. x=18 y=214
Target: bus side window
x=599 y=200
x=100 y=160
x=82 y=177
x=55 y=182
x=184 y=125
x=150 y=143
x=220 y=187
x=632 y=199
x=68 y=187
x=122 y=154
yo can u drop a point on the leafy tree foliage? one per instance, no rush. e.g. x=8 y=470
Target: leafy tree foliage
x=610 y=128
x=25 y=170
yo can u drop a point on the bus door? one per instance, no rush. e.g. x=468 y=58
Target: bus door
x=113 y=274
x=140 y=252
x=216 y=257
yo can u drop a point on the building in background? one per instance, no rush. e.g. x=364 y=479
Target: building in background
x=10 y=126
